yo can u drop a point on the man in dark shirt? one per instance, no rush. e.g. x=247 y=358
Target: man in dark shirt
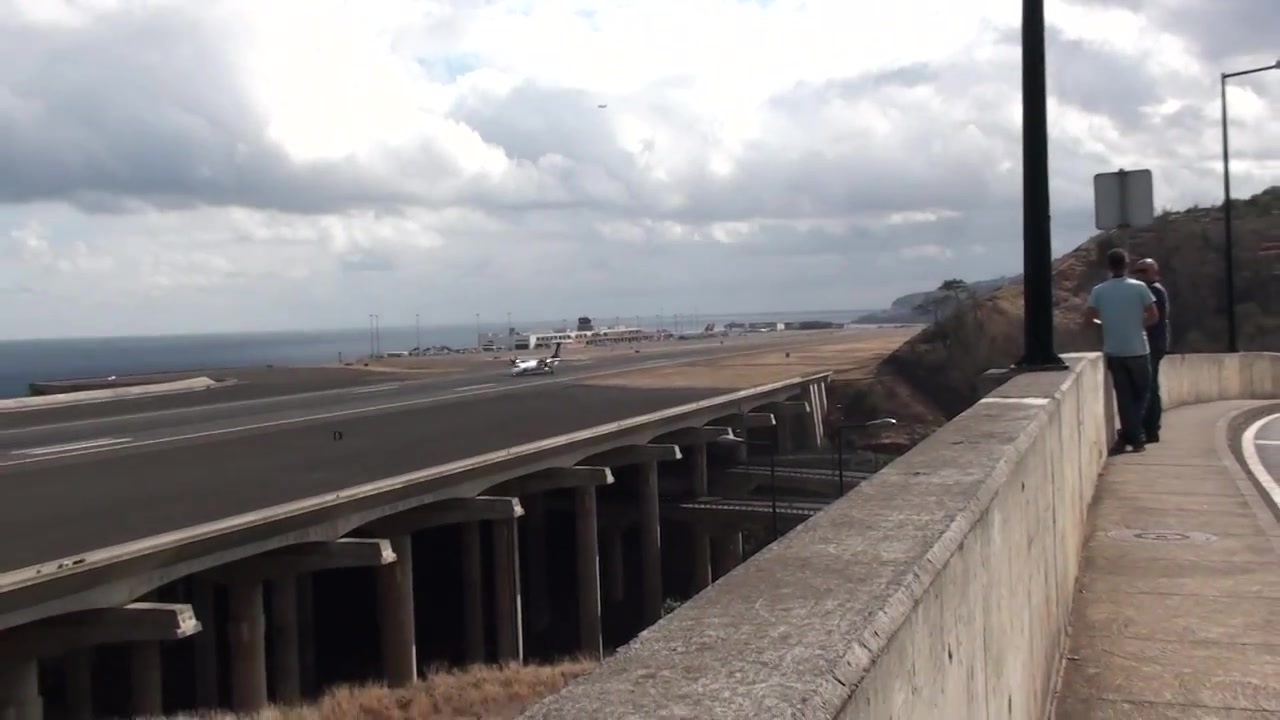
x=1148 y=272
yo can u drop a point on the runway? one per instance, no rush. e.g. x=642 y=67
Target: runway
x=38 y=437
x=92 y=482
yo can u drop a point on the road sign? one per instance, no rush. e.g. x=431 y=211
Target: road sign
x=1123 y=199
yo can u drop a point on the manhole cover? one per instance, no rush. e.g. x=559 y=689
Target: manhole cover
x=1163 y=536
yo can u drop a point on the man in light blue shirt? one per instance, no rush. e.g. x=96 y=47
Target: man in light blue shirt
x=1125 y=307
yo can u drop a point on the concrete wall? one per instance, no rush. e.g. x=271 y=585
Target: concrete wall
x=941 y=588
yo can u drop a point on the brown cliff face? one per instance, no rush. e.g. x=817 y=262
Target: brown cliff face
x=939 y=368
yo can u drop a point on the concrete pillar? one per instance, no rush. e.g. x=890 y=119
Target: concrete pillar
x=306 y=635
x=650 y=545
x=146 y=674
x=246 y=644
x=472 y=593
x=395 y=615
x=701 y=576
x=785 y=428
x=590 y=636
x=726 y=554
x=79 y=667
x=20 y=691
x=537 y=597
x=285 y=656
x=615 y=582
x=506 y=591
x=206 y=643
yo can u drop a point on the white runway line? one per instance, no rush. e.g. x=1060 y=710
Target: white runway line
x=72 y=446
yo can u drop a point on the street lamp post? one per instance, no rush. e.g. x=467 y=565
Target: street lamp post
x=1037 y=249
x=417 y=332
x=840 y=433
x=1233 y=344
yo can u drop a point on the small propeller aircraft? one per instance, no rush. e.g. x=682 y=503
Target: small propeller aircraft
x=536 y=365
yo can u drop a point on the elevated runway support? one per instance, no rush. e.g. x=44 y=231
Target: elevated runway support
x=635 y=455
x=248 y=620
x=143 y=625
x=306 y=557
x=748 y=421
x=448 y=512
x=502 y=512
x=694 y=435
x=647 y=457
x=697 y=438
x=136 y=622
x=583 y=481
x=557 y=479
x=790 y=414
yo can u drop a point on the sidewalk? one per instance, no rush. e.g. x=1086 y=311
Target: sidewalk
x=1183 y=623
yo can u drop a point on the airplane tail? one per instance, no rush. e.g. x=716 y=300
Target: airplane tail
x=556 y=354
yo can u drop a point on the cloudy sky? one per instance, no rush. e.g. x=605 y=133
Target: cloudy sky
x=183 y=165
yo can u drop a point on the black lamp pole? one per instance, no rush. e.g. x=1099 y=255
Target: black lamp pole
x=1037 y=248
x=1233 y=343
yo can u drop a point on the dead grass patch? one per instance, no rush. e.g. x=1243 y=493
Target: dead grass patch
x=479 y=692
x=849 y=357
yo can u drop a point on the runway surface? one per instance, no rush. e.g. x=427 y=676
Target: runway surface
x=41 y=436
x=106 y=477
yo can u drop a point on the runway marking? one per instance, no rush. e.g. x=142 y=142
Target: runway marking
x=1267 y=442
x=72 y=446
x=375 y=388
x=476 y=387
x=487 y=389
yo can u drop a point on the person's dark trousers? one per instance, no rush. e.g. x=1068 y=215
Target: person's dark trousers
x=1131 y=378
x=1151 y=419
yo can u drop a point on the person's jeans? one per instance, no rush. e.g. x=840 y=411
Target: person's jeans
x=1151 y=419
x=1131 y=378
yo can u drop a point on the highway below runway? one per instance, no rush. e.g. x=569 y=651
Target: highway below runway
x=86 y=430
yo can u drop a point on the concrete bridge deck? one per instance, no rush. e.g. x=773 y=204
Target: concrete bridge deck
x=1179 y=594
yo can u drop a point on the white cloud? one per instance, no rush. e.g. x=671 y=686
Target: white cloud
x=234 y=164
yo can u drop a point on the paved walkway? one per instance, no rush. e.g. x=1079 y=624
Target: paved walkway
x=1184 y=624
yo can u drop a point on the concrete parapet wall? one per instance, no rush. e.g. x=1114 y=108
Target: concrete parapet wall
x=940 y=588
x=116 y=393
x=1189 y=379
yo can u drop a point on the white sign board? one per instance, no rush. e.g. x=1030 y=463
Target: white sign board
x=1123 y=199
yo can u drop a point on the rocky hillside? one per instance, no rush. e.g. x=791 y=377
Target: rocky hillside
x=915 y=307
x=933 y=376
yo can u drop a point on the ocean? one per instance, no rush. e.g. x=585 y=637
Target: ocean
x=26 y=361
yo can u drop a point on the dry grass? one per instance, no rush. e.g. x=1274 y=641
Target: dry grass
x=855 y=356
x=479 y=692
x=936 y=372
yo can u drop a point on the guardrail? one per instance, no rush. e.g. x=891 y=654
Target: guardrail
x=117 y=575
x=941 y=587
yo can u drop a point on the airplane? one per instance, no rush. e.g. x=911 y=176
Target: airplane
x=536 y=365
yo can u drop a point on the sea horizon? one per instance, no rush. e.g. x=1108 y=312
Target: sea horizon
x=23 y=362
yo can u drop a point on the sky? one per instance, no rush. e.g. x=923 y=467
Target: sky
x=209 y=165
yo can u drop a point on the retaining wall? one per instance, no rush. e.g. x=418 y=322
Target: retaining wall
x=940 y=588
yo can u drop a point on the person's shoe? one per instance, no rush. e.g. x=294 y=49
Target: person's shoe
x=1117 y=448
x=1153 y=437
x=1140 y=447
